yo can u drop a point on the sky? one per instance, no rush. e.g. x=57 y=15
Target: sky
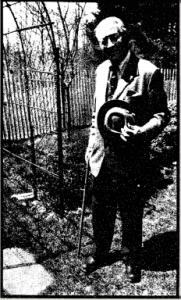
x=9 y=24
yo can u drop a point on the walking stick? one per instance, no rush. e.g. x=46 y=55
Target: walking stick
x=83 y=208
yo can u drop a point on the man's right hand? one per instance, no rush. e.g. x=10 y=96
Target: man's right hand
x=129 y=133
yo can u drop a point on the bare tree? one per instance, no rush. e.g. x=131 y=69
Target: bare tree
x=65 y=35
x=49 y=38
x=67 y=30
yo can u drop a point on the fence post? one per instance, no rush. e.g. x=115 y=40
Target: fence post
x=59 y=114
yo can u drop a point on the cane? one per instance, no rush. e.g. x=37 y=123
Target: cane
x=83 y=208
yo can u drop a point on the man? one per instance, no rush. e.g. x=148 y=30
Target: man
x=119 y=156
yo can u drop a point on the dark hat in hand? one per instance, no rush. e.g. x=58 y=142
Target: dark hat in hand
x=112 y=116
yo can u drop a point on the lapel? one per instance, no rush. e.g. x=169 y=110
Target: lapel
x=101 y=83
x=130 y=73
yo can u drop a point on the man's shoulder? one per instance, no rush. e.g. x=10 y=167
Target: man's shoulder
x=146 y=66
x=103 y=66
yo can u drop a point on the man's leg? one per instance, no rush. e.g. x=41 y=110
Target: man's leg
x=132 y=227
x=131 y=210
x=104 y=207
x=103 y=221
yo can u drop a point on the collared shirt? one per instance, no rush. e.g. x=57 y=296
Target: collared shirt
x=115 y=75
x=123 y=65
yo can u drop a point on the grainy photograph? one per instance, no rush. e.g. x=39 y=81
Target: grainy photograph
x=90 y=149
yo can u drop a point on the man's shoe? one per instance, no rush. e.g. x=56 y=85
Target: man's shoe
x=133 y=273
x=93 y=264
x=125 y=254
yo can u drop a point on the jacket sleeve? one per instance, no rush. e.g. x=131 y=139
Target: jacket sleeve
x=92 y=132
x=93 y=127
x=158 y=99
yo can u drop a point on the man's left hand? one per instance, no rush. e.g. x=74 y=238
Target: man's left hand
x=130 y=132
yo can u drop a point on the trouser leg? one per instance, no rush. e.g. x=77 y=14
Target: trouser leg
x=103 y=221
x=104 y=209
x=131 y=211
x=132 y=228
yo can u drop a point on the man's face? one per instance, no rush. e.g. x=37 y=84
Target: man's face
x=113 y=43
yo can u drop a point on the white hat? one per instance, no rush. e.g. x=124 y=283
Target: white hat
x=108 y=26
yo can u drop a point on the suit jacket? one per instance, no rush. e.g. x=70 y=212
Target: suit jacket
x=145 y=94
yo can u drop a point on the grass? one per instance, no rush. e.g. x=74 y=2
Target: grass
x=53 y=240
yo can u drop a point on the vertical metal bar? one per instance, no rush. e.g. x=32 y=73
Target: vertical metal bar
x=17 y=108
x=63 y=95
x=47 y=102
x=50 y=87
x=20 y=107
x=60 y=151
x=23 y=95
x=84 y=97
x=11 y=107
x=52 y=97
x=74 y=109
x=49 y=99
x=33 y=157
x=34 y=98
x=73 y=106
x=43 y=106
x=9 y=96
x=80 y=99
x=78 y=102
x=3 y=125
x=53 y=92
x=38 y=103
x=6 y=130
x=7 y=112
x=69 y=113
x=89 y=98
x=38 y=88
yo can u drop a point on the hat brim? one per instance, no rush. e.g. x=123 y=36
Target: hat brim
x=105 y=133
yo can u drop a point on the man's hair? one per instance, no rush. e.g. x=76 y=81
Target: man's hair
x=113 y=22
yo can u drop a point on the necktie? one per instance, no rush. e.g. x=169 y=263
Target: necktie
x=112 y=83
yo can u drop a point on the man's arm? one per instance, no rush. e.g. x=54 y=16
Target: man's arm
x=158 y=111
x=91 y=138
x=158 y=100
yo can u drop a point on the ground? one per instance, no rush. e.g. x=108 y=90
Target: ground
x=38 y=228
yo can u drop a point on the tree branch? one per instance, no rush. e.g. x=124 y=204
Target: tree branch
x=27 y=28
x=64 y=25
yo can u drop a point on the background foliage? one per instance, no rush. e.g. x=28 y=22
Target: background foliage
x=152 y=25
